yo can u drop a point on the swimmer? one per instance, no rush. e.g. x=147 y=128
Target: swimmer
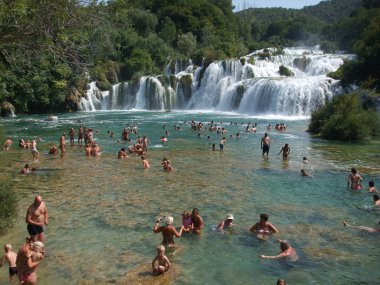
x=265 y=144
x=121 y=153
x=197 y=221
x=354 y=179
x=263 y=228
x=62 y=144
x=53 y=150
x=371 y=187
x=304 y=173
x=281 y=282
x=10 y=256
x=376 y=200
x=362 y=228
x=287 y=252
x=305 y=159
x=7 y=144
x=222 y=143
x=72 y=136
x=166 y=165
x=26 y=169
x=227 y=222
x=168 y=231
x=285 y=151
x=145 y=162
x=163 y=262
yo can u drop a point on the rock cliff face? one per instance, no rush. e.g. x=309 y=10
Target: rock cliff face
x=7 y=109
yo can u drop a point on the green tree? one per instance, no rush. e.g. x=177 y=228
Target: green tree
x=186 y=44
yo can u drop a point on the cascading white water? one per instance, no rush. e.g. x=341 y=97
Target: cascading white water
x=252 y=85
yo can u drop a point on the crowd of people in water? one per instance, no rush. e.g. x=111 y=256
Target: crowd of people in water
x=25 y=263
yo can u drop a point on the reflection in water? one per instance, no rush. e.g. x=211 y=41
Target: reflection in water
x=102 y=209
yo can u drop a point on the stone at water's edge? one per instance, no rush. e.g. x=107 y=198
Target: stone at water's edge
x=7 y=109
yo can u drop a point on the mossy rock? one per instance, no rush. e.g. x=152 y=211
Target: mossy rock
x=301 y=63
x=104 y=86
x=7 y=109
x=284 y=71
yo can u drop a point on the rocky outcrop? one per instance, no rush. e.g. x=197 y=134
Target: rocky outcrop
x=7 y=109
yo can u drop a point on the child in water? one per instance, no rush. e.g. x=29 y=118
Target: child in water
x=10 y=256
x=187 y=222
x=163 y=262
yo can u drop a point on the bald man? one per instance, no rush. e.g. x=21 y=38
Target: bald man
x=36 y=218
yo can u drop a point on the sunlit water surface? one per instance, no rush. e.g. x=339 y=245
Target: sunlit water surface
x=102 y=209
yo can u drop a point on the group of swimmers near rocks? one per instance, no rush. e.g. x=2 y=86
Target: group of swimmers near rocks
x=32 y=252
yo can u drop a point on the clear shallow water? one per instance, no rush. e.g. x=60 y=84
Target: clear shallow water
x=102 y=209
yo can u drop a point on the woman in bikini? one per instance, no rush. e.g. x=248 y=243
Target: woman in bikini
x=355 y=179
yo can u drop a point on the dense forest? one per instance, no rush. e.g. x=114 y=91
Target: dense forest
x=50 y=50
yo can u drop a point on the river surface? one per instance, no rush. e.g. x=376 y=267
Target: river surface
x=102 y=209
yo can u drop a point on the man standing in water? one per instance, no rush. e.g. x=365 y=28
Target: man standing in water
x=36 y=218
x=197 y=221
x=265 y=144
x=62 y=143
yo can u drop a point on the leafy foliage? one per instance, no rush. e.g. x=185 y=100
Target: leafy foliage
x=346 y=118
x=8 y=208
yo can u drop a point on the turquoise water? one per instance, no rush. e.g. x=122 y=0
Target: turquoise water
x=102 y=209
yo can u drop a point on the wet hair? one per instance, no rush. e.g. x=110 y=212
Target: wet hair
x=142 y=157
x=353 y=170
x=281 y=281
x=284 y=244
x=304 y=158
x=376 y=197
x=371 y=183
x=264 y=217
x=196 y=211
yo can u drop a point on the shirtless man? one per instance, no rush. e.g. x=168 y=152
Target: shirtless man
x=10 y=256
x=80 y=135
x=265 y=144
x=287 y=252
x=197 y=221
x=125 y=134
x=34 y=150
x=72 y=136
x=145 y=162
x=263 y=228
x=354 y=179
x=168 y=231
x=36 y=218
x=7 y=144
x=222 y=143
x=285 y=151
x=62 y=143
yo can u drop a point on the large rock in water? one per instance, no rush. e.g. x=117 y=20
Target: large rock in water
x=7 y=109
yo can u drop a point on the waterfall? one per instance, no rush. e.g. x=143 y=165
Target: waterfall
x=251 y=85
